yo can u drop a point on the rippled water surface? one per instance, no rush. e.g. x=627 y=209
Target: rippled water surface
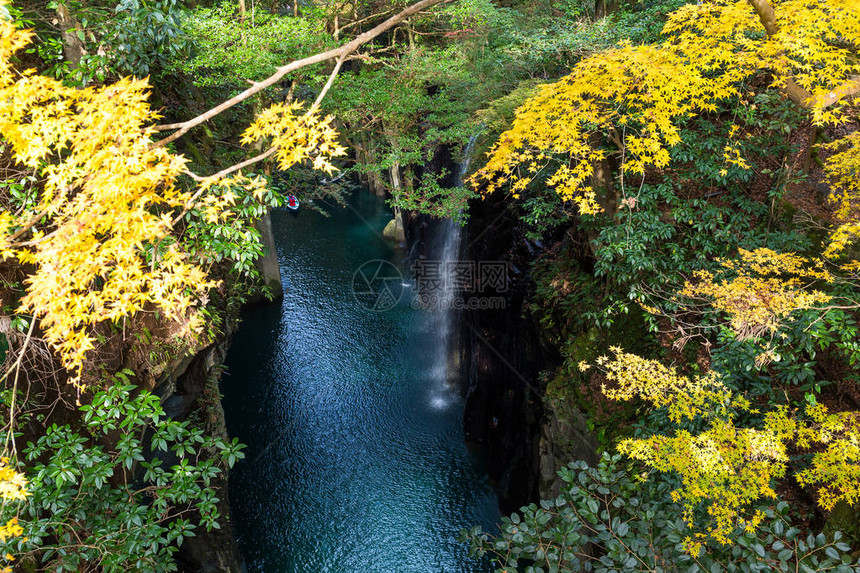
x=355 y=460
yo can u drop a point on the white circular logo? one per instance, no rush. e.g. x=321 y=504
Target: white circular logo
x=377 y=285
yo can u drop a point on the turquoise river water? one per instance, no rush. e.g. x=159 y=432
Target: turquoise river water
x=356 y=461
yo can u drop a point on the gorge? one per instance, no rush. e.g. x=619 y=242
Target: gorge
x=357 y=459
x=639 y=352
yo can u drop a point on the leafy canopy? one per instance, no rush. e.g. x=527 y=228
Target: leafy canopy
x=638 y=96
x=100 y=234
x=609 y=519
x=730 y=466
x=122 y=491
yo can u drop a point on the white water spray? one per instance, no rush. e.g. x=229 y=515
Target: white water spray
x=447 y=363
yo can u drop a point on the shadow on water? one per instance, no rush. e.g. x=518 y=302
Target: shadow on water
x=356 y=460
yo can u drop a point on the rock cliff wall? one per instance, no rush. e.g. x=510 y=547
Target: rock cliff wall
x=190 y=388
x=528 y=434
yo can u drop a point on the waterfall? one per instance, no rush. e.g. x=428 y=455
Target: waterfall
x=449 y=255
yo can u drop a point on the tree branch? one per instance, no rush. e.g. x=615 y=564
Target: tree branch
x=330 y=81
x=848 y=89
x=349 y=47
x=219 y=175
x=797 y=94
x=792 y=89
x=351 y=24
x=29 y=224
x=233 y=168
x=766 y=15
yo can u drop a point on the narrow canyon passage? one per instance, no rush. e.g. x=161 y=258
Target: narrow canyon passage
x=356 y=460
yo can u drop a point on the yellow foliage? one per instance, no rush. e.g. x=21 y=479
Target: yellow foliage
x=104 y=185
x=764 y=288
x=7 y=531
x=10 y=529
x=639 y=95
x=843 y=175
x=99 y=239
x=13 y=487
x=726 y=468
x=836 y=469
x=729 y=35
x=297 y=137
x=662 y=386
x=646 y=86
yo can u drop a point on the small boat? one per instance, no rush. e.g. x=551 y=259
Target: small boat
x=292 y=203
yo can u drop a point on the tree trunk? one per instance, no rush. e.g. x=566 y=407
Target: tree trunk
x=603 y=183
x=374 y=181
x=408 y=178
x=396 y=184
x=603 y=8
x=73 y=47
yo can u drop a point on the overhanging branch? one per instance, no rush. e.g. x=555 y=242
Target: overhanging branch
x=233 y=168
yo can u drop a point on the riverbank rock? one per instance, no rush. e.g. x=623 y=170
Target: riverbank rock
x=564 y=437
x=268 y=265
x=394 y=231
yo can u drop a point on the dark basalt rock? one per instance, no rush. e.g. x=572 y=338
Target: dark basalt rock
x=502 y=356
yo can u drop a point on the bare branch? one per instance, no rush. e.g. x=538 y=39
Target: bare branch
x=340 y=52
x=232 y=169
x=219 y=175
x=351 y=24
x=34 y=220
x=330 y=81
x=29 y=224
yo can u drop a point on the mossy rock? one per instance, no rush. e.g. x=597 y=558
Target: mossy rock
x=845 y=518
x=27 y=564
x=394 y=231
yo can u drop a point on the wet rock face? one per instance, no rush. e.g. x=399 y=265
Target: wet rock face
x=528 y=434
x=503 y=416
x=394 y=231
x=564 y=438
x=270 y=270
x=502 y=357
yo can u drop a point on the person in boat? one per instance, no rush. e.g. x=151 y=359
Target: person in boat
x=292 y=201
